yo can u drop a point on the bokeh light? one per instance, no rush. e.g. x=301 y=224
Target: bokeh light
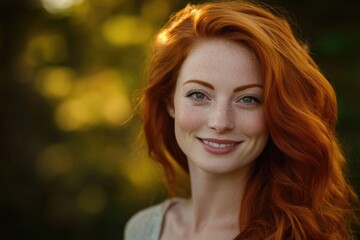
x=155 y=10
x=93 y=100
x=92 y=199
x=55 y=82
x=54 y=161
x=59 y=6
x=125 y=30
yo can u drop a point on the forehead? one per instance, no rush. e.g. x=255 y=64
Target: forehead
x=217 y=60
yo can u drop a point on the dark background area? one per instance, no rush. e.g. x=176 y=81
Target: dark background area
x=70 y=163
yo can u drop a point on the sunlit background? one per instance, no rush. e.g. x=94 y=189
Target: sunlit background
x=72 y=163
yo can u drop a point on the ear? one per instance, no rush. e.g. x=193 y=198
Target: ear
x=170 y=109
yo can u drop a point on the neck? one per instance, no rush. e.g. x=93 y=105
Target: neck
x=216 y=198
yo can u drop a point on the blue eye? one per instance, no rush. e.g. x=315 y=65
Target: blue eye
x=249 y=100
x=196 y=95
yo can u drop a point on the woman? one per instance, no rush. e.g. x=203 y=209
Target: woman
x=235 y=100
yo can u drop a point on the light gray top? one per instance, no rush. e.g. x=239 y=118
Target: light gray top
x=147 y=224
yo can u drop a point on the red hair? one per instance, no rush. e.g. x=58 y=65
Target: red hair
x=298 y=180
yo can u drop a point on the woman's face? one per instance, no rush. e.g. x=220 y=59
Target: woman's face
x=217 y=107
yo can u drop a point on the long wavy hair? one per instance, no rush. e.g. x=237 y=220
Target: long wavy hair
x=298 y=180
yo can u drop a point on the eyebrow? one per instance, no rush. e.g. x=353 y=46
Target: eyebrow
x=238 y=89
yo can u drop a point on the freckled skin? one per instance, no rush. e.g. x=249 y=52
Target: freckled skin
x=210 y=109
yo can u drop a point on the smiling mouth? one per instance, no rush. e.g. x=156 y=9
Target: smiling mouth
x=219 y=144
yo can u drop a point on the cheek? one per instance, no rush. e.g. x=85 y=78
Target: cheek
x=254 y=124
x=188 y=117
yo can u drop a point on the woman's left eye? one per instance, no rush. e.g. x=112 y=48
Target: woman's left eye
x=249 y=100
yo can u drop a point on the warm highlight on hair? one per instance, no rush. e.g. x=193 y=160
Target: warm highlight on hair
x=298 y=180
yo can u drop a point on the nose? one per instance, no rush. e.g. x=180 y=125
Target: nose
x=221 y=118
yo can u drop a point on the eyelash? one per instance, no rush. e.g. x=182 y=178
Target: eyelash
x=253 y=98
x=192 y=94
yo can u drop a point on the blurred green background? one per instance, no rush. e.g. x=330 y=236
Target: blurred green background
x=72 y=165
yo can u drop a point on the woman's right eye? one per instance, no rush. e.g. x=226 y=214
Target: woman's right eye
x=196 y=95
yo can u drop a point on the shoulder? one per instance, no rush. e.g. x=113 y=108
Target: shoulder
x=143 y=222
x=147 y=222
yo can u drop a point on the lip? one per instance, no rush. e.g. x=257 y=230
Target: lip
x=218 y=146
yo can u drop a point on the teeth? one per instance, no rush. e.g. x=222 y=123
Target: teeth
x=218 y=145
